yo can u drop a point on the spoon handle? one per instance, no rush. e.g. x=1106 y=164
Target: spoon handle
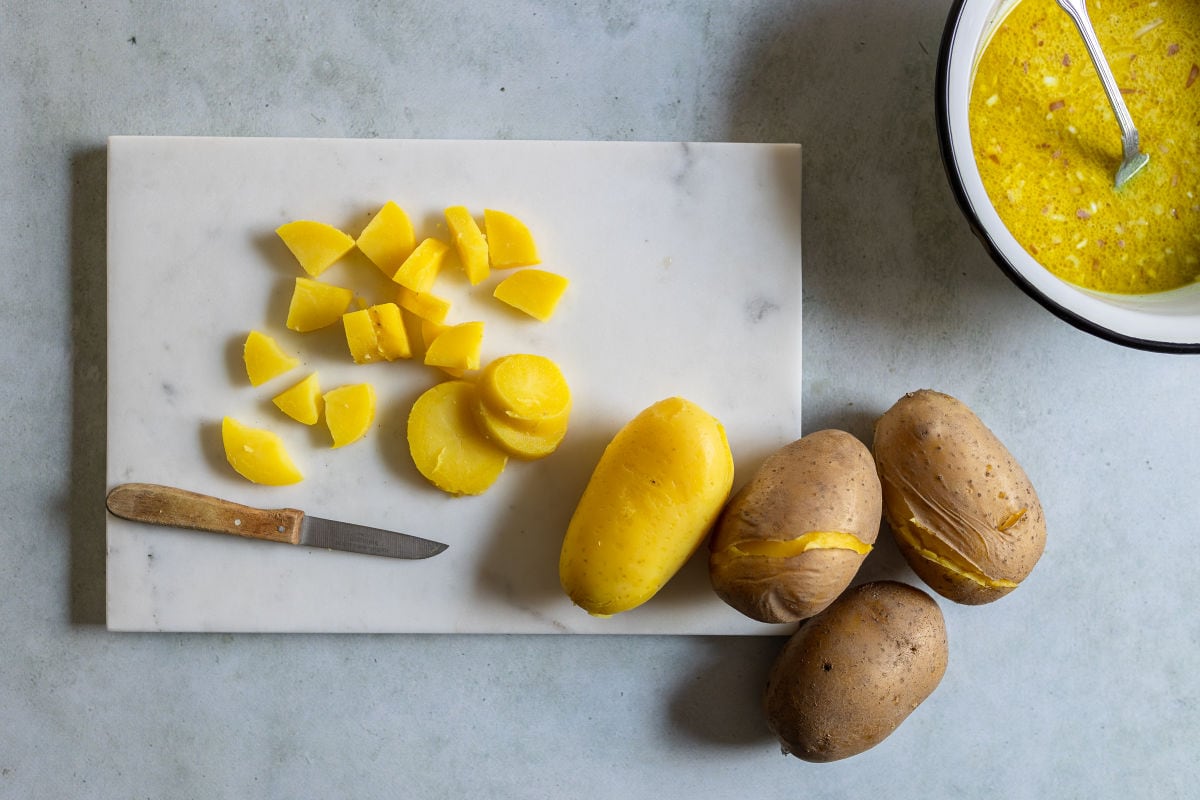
x=1077 y=10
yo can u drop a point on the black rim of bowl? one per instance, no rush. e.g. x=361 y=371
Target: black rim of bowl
x=942 y=111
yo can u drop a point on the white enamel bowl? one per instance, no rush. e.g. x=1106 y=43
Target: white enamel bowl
x=1163 y=322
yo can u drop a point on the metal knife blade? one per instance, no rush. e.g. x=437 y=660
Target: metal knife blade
x=166 y=505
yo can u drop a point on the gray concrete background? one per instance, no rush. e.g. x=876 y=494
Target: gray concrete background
x=1083 y=683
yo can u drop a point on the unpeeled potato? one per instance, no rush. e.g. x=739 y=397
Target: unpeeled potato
x=795 y=535
x=850 y=675
x=964 y=513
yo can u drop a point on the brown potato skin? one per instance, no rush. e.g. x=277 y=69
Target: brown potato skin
x=825 y=481
x=938 y=463
x=850 y=675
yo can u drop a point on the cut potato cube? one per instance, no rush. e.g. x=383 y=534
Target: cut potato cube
x=388 y=238
x=314 y=244
x=349 y=412
x=375 y=333
x=302 y=402
x=533 y=291
x=470 y=243
x=510 y=244
x=525 y=390
x=424 y=304
x=390 y=332
x=257 y=455
x=316 y=305
x=430 y=330
x=360 y=336
x=421 y=268
x=456 y=347
x=265 y=359
x=445 y=443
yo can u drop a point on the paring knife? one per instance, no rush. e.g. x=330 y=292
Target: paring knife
x=165 y=505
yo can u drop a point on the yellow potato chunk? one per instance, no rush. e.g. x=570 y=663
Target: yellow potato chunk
x=446 y=446
x=349 y=412
x=376 y=333
x=470 y=243
x=388 y=238
x=302 y=402
x=314 y=244
x=525 y=390
x=316 y=305
x=534 y=291
x=421 y=268
x=423 y=304
x=456 y=347
x=655 y=493
x=265 y=359
x=257 y=455
x=510 y=244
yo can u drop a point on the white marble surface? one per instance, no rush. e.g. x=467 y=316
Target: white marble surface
x=1083 y=683
x=683 y=259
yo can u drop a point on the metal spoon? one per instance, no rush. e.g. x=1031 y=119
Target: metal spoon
x=1135 y=159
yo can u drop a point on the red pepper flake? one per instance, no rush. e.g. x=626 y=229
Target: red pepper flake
x=1173 y=49
x=1195 y=73
x=1057 y=104
x=1083 y=214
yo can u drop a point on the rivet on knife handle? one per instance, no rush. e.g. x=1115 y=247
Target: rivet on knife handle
x=166 y=505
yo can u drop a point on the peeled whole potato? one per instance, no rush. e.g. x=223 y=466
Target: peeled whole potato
x=792 y=538
x=850 y=675
x=964 y=513
x=650 y=502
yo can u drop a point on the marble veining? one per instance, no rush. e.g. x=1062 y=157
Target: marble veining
x=661 y=282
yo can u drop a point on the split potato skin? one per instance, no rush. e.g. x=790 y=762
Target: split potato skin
x=792 y=539
x=850 y=675
x=963 y=512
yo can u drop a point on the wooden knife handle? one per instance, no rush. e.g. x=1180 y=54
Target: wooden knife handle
x=165 y=505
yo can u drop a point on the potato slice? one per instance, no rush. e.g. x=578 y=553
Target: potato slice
x=302 y=402
x=388 y=238
x=316 y=305
x=421 y=268
x=470 y=243
x=349 y=412
x=533 y=291
x=315 y=245
x=525 y=390
x=510 y=244
x=257 y=455
x=446 y=446
x=423 y=304
x=530 y=443
x=456 y=347
x=265 y=359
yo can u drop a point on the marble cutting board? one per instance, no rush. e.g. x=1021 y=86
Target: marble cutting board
x=684 y=261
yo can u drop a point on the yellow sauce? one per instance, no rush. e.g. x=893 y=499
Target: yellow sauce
x=1048 y=146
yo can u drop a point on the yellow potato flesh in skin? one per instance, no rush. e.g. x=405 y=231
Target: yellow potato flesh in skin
x=257 y=455
x=264 y=358
x=814 y=540
x=315 y=245
x=648 y=506
x=446 y=446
